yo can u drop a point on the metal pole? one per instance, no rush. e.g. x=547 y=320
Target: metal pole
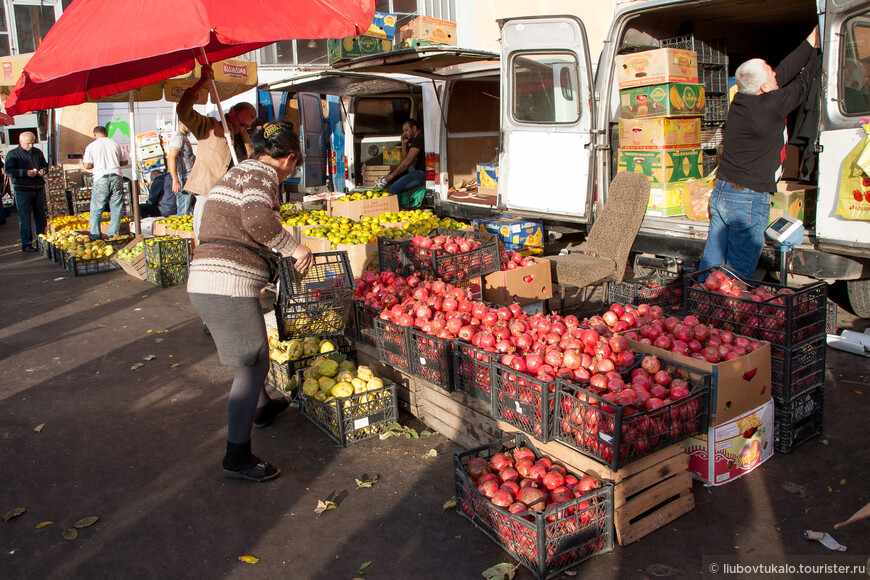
x=134 y=163
x=214 y=97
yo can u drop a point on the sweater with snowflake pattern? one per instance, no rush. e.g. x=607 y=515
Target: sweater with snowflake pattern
x=242 y=207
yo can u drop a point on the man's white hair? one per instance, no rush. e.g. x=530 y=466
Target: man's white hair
x=750 y=76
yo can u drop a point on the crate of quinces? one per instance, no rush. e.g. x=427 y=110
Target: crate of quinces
x=131 y=258
x=167 y=260
x=545 y=516
x=81 y=256
x=348 y=402
x=286 y=357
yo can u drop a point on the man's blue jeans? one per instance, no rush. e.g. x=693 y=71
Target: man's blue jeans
x=411 y=180
x=738 y=219
x=30 y=202
x=183 y=201
x=104 y=187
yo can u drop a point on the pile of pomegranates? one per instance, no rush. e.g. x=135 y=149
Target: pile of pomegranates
x=451 y=245
x=689 y=337
x=511 y=260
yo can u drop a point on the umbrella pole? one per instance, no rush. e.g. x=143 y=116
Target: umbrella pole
x=217 y=101
x=134 y=162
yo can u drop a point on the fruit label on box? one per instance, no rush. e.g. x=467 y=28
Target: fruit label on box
x=664 y=100
x=663 y=165
x=657 y=66
x=431 y=29
x=487 y=175
x=383 y=26
x=356 y=46
x=659 y=133
x=514 y=232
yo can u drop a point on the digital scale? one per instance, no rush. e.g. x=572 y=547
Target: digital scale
x=787 y=231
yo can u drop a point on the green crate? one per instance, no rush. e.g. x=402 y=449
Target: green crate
x=166 y=250
x=167 y=275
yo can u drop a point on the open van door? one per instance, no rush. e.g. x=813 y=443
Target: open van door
x=546 y=117
x=312 y=134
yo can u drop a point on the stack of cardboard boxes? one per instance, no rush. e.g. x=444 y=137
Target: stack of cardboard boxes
x=378 y=38
x=661 y=105
x=426 y=31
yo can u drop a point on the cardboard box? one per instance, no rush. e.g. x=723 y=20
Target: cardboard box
x=537 y=307
x=393 y=155
x=666 y=201
x=516 y=233
x=737 y=386
x=340 y=49
x=663 y=166
x=361 y=256
x=795 y=199
x=146 y=166
x=662 y=65
x=523 y=285
x=660 y=133
x=475 y=284
x=734 y=448
x=487 y=175
x=362 y=207
x=383 y=26
x=430 y=29
x=664 y=100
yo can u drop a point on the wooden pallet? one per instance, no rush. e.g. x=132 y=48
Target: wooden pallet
x=458 y=417
x=407 y=387
x=648 y=493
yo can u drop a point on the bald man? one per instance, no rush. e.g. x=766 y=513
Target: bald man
x=26 y=167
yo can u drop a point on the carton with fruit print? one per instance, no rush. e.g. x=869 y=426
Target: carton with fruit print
x=854 y=196
x=545 y=516
x=657 y=66
x=733 y=449
x=664 y=100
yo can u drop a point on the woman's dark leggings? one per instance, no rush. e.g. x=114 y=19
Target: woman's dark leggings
x=246 y=395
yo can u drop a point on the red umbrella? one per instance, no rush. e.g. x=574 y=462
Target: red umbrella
x=100 y=48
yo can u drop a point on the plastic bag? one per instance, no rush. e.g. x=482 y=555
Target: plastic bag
x=853 y=201
x=696 y=197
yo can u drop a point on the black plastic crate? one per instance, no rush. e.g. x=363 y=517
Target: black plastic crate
x=441 y=265
x=166 y=250
x=798 y=420
x=831 y=317
x=798 y=319
x=796 y=371
x=715 y=109
x=166 y=275
x=710 y=52
x=545 y=542
x=343 y=346
x=393 y=344
x=393 y=255
x=615 y=434
x=659 y=289
x=313 y=314
x=526 y=402
x=329 y=272
x=353 y=418
x=79 y=267
x=709 y=161
x=46 y=247
x=472 y=371
x=361 y=324
x=714 y=79
x=282 y=379
x=431 y=358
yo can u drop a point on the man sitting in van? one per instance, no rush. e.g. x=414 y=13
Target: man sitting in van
x=410 y=174
x=753 y=154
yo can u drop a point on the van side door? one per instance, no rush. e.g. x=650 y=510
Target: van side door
x=312 y=133
x=546 y=117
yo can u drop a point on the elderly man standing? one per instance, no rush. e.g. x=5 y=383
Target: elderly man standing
x=213 y=156
x=753 y=154
x=106 y=158
x=179 y=161
x=26 y=166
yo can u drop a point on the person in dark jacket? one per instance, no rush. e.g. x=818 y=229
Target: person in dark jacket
x=26 y=167
x=751 y=162
x=161 y=198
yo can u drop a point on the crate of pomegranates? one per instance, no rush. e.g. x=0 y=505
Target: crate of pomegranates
x=431 y=358
x=452 y=255
x=393 y=342
x=545 y=516
x=781 y=315
x=525 y=385
x=616 y=423
x=472 y=370
x=660 y=288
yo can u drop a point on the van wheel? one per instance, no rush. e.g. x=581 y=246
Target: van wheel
x=859 y=297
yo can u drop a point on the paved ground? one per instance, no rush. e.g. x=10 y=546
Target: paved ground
x=141 y=450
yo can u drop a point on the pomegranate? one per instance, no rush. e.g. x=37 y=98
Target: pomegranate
x=533 y=497
x=561 y=494
x=650 y=364
x=501 y=498
x=518 y=507
x=489 y=488
x=524 y=466
x=587 y=483
x=476 y=467
x=553 y=479
x=512 y=487
x=509 y=474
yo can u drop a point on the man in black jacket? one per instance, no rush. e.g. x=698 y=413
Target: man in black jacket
x=26 y=167
x=754 y=150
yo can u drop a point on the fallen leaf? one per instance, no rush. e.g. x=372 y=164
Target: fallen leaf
x=449 y=504
x=150 y=331
x=12 y=514
x=842 y=482
x=570 y=572
x=369 y=483
x=322 y=506
x=503 y=571
x=137 y=366
x=174 y=365
x=70 y=534
x=363 y=567
x=149 y=357
x=830 y=490
x=431 y=453
x=858 y=392
x=39 y=428
x=824 y=441
x=249 y=559
x=86 y=522
x=43 y=524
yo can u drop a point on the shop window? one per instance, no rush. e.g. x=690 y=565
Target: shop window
x=32 y=23
x=545 y=88
x=854 y=67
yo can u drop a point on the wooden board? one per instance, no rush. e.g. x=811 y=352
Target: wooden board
x=462 y=418
x=407 y=387
x=650 y=523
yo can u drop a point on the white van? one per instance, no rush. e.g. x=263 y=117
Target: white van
x=557 y=118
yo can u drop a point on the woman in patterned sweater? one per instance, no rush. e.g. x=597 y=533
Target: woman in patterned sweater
x=226 y=276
